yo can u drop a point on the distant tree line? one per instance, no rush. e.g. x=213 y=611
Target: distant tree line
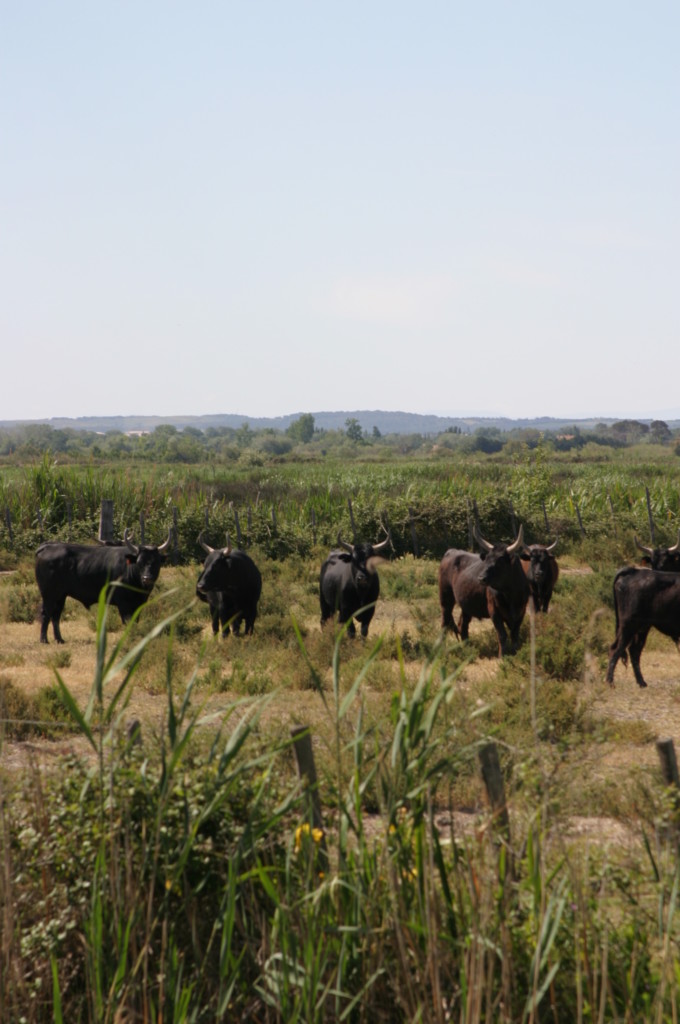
x=245 y=445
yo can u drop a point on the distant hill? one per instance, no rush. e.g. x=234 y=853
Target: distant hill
x=386 y=422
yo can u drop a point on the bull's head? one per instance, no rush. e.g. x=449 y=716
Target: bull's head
x=511 y=549
x=497 y=558
x=216 y=568
x=665 y=559
x=146 y=559
x=365 y=558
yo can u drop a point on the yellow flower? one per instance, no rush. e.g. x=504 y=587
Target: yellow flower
x=300 y=831
x=317 y=835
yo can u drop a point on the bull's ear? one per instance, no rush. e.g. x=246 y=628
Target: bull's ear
x=130 y=559
x=483 y=553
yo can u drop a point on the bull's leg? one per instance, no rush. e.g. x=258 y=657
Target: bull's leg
x=215 y=620
x=635 y=650
x=365 y=621
x=349 y=619
x=326 y=611
x=503 y=646
x=464 y=625
x=447 y=603
x=616 y=651
x=514 y=635
x=51 y=612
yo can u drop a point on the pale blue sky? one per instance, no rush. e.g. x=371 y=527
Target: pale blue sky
x=268 y=208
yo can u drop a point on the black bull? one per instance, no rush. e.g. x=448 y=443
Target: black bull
x=81 y=571
x=349 y=584
x=491 y=585
x=231 y=584
x=542 y=571
x=643 y=599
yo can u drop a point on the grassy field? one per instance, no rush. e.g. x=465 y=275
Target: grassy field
x=183 y=878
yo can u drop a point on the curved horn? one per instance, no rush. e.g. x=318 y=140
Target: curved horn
x=166 y=544
x=480 y=540
x=647 y=551
x=128 y=544
x=381 y=546
x=227 y=551
x=344 y=545
x=512 y=548
x=676 y=547
x=551 y=547
x=206 y=547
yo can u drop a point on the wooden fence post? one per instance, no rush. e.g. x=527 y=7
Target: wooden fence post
x=106 y=520
x=175 y=548
x=414 y=536
x=545 y=519
x=304 y=757
x=513 y=521
x=351 y=519
x=142 y=528
x=650 y=516
x=493 y=781
x=8 y=522
x=578 y=516
x=238 y=525
x=669 y=770
x=471 y=538
x=611 y=509
x=313 y=522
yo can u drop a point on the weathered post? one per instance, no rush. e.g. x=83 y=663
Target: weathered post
x=175 y=534
x=545 y=518
x=237 y=523
x=513 y=521
x=313 y=522
x=304 y=757
x=669 y=770
x=414 y=536
x=650 y=516
x=8 y=523
x=106 y=520
x=351 y=519
x=471 y=532
x=142 y=528
x=495 y=788
x=578 y=516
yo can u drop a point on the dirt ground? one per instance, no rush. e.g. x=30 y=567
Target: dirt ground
x=30 y=666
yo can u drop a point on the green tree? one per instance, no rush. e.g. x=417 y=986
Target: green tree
x=302 y=429
x=354 y=431
x=660 y=431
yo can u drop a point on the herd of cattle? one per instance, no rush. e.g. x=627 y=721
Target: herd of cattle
x=496 y=583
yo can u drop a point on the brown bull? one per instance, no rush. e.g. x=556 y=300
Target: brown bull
x=490 y=585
